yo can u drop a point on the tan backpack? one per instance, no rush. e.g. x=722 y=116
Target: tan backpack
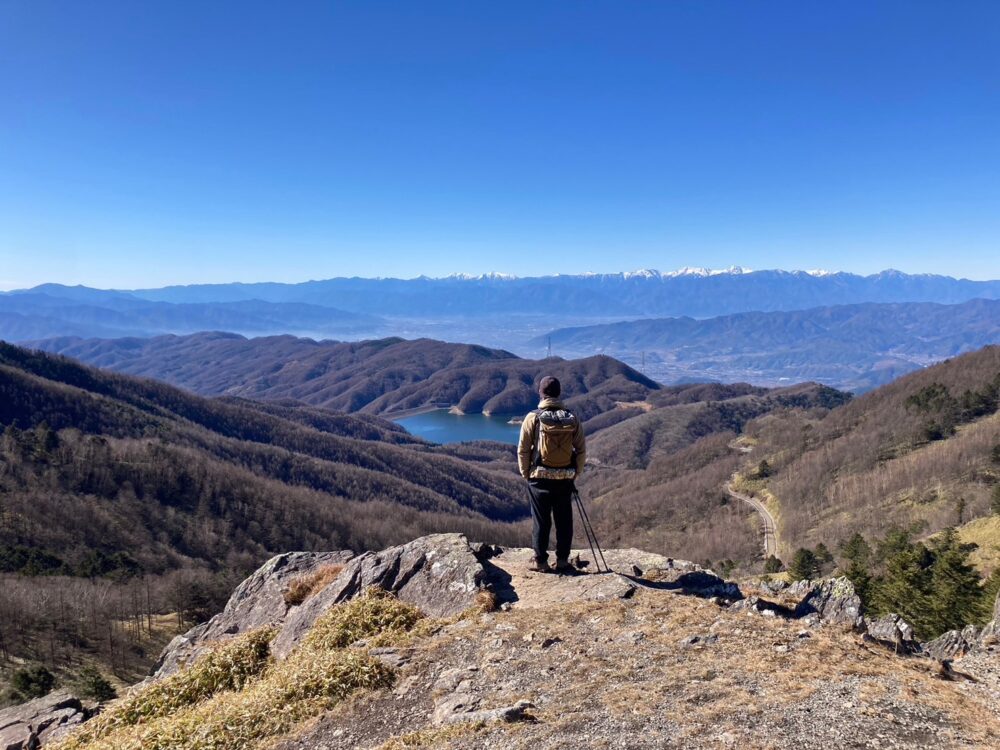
x=554 y=431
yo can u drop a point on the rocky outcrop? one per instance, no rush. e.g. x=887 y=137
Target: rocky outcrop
x=894 y=632
x=954 y=644
x=257 y=602
x=438 y=574
x=42 y=720
x=833 y=600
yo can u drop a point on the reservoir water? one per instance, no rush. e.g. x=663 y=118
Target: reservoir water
x=441 y=426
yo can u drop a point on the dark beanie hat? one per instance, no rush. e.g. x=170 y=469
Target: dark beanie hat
x=549 y=387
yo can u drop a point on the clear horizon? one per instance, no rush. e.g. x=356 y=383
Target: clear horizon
x=158 y=144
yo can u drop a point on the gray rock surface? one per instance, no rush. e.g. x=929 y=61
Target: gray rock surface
x=893 y=631
x=954 y=644
x=439 y=574
x=257 y=602
x=31 y=725
x=833 y=599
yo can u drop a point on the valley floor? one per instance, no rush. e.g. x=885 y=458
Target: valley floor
x=604 y=663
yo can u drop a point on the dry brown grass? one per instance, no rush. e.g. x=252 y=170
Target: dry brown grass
x=304 y=586
x=238 y=699
x=437 y=737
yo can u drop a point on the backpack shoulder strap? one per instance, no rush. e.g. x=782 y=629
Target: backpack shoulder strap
x=536 y=458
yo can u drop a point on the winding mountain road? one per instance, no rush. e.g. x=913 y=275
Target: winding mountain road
x=770 y=527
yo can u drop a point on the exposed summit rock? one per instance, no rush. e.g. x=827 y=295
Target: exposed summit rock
x=258 y=601
x=439 y=574
x=442 y=574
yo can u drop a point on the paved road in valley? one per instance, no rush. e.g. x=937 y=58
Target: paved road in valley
x=770 y=528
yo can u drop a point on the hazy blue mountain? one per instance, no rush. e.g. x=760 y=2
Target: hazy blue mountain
x=493 y=310
x=692 y=292
x=852 y=346
x=93 y=312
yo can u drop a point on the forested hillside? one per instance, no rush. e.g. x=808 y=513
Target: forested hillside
x=658 y=476
x=131 y=497
x=917 y=456
x=374 y=377
x=268 y=477
x=922 y=450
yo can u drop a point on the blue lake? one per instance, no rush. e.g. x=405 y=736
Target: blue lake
x=440 y=426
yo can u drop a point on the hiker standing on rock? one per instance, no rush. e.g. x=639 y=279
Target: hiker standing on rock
x=550 y=454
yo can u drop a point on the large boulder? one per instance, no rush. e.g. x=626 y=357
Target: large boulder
x=42 y=720
x=257 y=602
x=438 y=574
x=954 y=644
x=893 y=631
x=833 y=599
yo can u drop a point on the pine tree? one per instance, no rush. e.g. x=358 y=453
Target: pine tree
x=823 y=556
x=763 y=470
x=773 y=565
x=995 y=503
x=956 y=593
x=903 y=587
x=857 y=554
x=804 y=565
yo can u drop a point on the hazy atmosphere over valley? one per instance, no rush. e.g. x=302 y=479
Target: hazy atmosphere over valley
x=391 y=376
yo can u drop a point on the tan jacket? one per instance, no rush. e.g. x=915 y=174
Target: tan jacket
x=526 y=443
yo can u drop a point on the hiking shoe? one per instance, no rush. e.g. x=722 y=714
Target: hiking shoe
x=564 y=566
x=540 y=566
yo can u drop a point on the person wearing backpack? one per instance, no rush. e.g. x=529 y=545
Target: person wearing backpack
x=550 y=454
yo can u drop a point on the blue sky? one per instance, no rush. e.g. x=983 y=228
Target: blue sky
x=152 y=143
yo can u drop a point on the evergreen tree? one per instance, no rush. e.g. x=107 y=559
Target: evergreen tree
x=903 y=587
x=92 y=684
x=857 y=554
x=763 y=470
x=773 y=565
x=804 y=565
x=991 y=589
x=823 y=556
x=995 y=502
x=31 y=682
x=956 y=594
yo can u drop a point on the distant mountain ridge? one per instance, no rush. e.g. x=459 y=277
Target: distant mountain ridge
x=693 y=292
x=52 y=310
x=374 y=377
x=847 y=346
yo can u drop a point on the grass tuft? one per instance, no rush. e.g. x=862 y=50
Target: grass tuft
x=434 y=737
x=230 y=666
x=305 y=586
x=375 y=617
x=487 y=601
x=239 y=710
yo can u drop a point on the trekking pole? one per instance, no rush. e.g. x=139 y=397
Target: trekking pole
x=591 y=536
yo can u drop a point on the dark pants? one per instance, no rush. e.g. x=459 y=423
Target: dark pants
x=551 y=498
